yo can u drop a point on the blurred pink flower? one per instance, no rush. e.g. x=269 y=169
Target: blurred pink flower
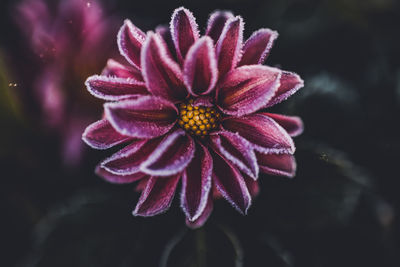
x=71 y=39
x=192 y=110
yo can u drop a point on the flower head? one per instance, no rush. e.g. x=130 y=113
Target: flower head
x=192 y=109
x=70 y=40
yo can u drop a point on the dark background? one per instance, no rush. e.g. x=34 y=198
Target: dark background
x=342 y=208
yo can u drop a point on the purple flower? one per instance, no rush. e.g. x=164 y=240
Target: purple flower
x=70 y=40
x=192 y=110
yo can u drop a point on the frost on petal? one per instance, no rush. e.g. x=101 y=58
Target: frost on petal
x=116 y=69
x=143 y=117
x=118 y=178
x=216 y=24
x=171 y=156
x=113 y=88
x=264 y=133
x=257 y=47
x=289 y=84
x=184 y=31
x=130 y=41
x=204 y=215
x=200 y=67
x=292 y=124
x=246 y=89
x=101 y=135
x=127 y=161
x=237 y=150
x=196 y=183
x=161 y=73
x=157 y=195
x=229 y=45
x=277 y=164
x=230 y=184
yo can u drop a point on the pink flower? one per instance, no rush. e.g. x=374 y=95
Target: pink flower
x=70 y=42
x=192 y=110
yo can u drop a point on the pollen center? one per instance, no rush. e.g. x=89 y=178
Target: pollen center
x=198 y=120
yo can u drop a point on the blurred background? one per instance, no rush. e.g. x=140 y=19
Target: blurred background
x=342 y=208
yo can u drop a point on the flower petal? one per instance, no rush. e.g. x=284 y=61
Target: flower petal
x=257 y=47
x=113 y=88
x=101 y=135
x=200 y=67
x=141 y=185
x=171 y=156
x=161 y=73
x=196 y=183
x=247 y=89
x=237 y=150
x=204 y=215
x=184 y=31
x=277 y=164
x=156 y=196
x=289 y=84
x=292 y=124
x=118 y=179
x=130 y=41
x=206 y=101
x=116 y=69
x=165 y=34
x=127 y=161
x=230 y=184
x=216 y=24
x=143 y=117
x=229 y=45
x=264 y=133
x=252 y=186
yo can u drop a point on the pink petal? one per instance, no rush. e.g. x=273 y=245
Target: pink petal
x=156 y=196
x=165 y=34
x=252 y=185
x=237 y=150
x=119 y=179
x=116 y=69
x=143 y=117
x=171 y=156
x=277 y=164
x=130 y=41
x=206 y=101
x=196 y=184
x=127 y=161
x=101 y=135
x=230 y=184
x=247 y=89
x=289 y=84
x=229 y=45
x=216 y=24
x=200 y=67
x=113 y=88
x=292 y=124
x=141 y=185
x=264 y=133
x=204 y=215
x=257 y=47
x=184 y=31
x=161 y=73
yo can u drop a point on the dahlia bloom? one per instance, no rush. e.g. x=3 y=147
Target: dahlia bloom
x=192 y=109
x=70 y=41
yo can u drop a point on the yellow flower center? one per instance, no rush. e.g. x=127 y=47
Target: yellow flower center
x=198 y=120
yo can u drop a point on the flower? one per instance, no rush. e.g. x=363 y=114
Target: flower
x=69 y=42
x=193 y=110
